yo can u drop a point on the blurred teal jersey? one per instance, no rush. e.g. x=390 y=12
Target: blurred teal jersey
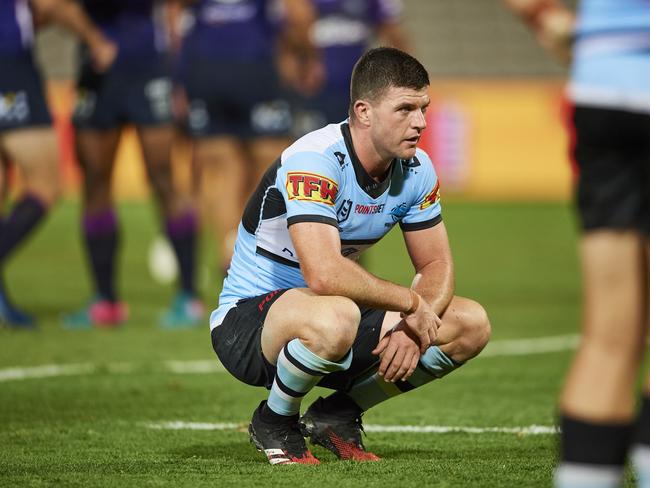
x=611 y=66
x=320 y=179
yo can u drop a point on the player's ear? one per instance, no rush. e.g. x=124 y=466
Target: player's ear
x=362 y=112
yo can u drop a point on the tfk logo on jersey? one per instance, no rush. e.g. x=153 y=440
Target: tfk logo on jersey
x=397 y=213
x=344 y=212
x=341 y=157
x=311 y=187
x=368 y=209
x=432 y=198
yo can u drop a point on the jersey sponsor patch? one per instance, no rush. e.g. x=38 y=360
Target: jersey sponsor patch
x=311 y=187
x=432 y=198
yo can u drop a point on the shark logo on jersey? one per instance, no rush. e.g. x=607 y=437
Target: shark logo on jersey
x=344 y=212
x=341 y=157
x=397 y=213
x=311 y=187
x=432 y=198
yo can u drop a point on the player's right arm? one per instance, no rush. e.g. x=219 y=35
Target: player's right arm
x=327 y=272
x=69 y=14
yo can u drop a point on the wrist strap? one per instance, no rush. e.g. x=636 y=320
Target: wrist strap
x=415 y=302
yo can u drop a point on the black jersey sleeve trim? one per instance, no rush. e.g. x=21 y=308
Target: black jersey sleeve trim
x=276 y=258
x=358 y=242
x=312 y=218
x=420 y=225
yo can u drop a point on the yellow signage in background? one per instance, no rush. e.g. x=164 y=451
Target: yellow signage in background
x=489 y=140
x=500 y=140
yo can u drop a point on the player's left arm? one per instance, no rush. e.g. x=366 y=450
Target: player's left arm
x=434 y=281
x=430 y=254
x=71 y=15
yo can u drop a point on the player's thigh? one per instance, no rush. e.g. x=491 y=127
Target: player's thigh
x=323 y=323
x=363 y=360
x=35 y=153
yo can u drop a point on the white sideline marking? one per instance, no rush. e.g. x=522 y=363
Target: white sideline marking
x=512 y=347
x=522 y=347
x=46 y=371
x=416 y=429
x=178 y=425
x=195 y=367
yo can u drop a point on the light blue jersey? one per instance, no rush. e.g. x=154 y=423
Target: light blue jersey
x=611 y=67
x=320 y=179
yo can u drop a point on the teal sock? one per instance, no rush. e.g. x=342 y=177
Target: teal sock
x=298 y=371
x=373 y=389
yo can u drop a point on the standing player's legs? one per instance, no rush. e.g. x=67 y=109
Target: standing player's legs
x=264 y=151
x=34 y=152
x=224 y=169
x=179 y=218
x=334 y=422
x=96 y=149
x=597 y=406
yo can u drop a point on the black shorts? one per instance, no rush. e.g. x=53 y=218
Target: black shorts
x=612 y=151
x=237 y=342
x=237 y=99
x=124 y=95
x=22 y=98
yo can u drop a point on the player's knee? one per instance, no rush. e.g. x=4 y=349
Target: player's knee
x=476 y=329
x=333 y=327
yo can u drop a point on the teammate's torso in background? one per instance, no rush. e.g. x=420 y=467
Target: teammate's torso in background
x=345 y=28
x=611 y=66
x=231 y=30
x=16 y=28
x=136 y=26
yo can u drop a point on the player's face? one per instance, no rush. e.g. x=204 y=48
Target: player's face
x=398 y=119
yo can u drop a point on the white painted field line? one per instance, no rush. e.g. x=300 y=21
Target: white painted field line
x=415 y=429
x=515 y=347
x=45 y=371
x=523 y=347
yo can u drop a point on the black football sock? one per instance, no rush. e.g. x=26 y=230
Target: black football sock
x=181 y=231
x=102 y=240
x=592 y=454
x=25 y=215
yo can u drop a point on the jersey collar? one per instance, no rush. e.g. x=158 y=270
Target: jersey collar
x=371 y=187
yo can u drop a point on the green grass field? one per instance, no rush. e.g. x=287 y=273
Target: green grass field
x=92 y=427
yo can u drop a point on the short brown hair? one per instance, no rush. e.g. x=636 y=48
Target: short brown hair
x=383 y=67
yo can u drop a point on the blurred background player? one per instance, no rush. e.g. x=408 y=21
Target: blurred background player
x=343 y=31
x=26 y=136
x=137 y=90
x=610 y=90
x=237 y=108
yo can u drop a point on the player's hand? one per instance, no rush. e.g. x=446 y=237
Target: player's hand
x=103 y=53
x=555 y=33
x=424 y=323
x=399 y=350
